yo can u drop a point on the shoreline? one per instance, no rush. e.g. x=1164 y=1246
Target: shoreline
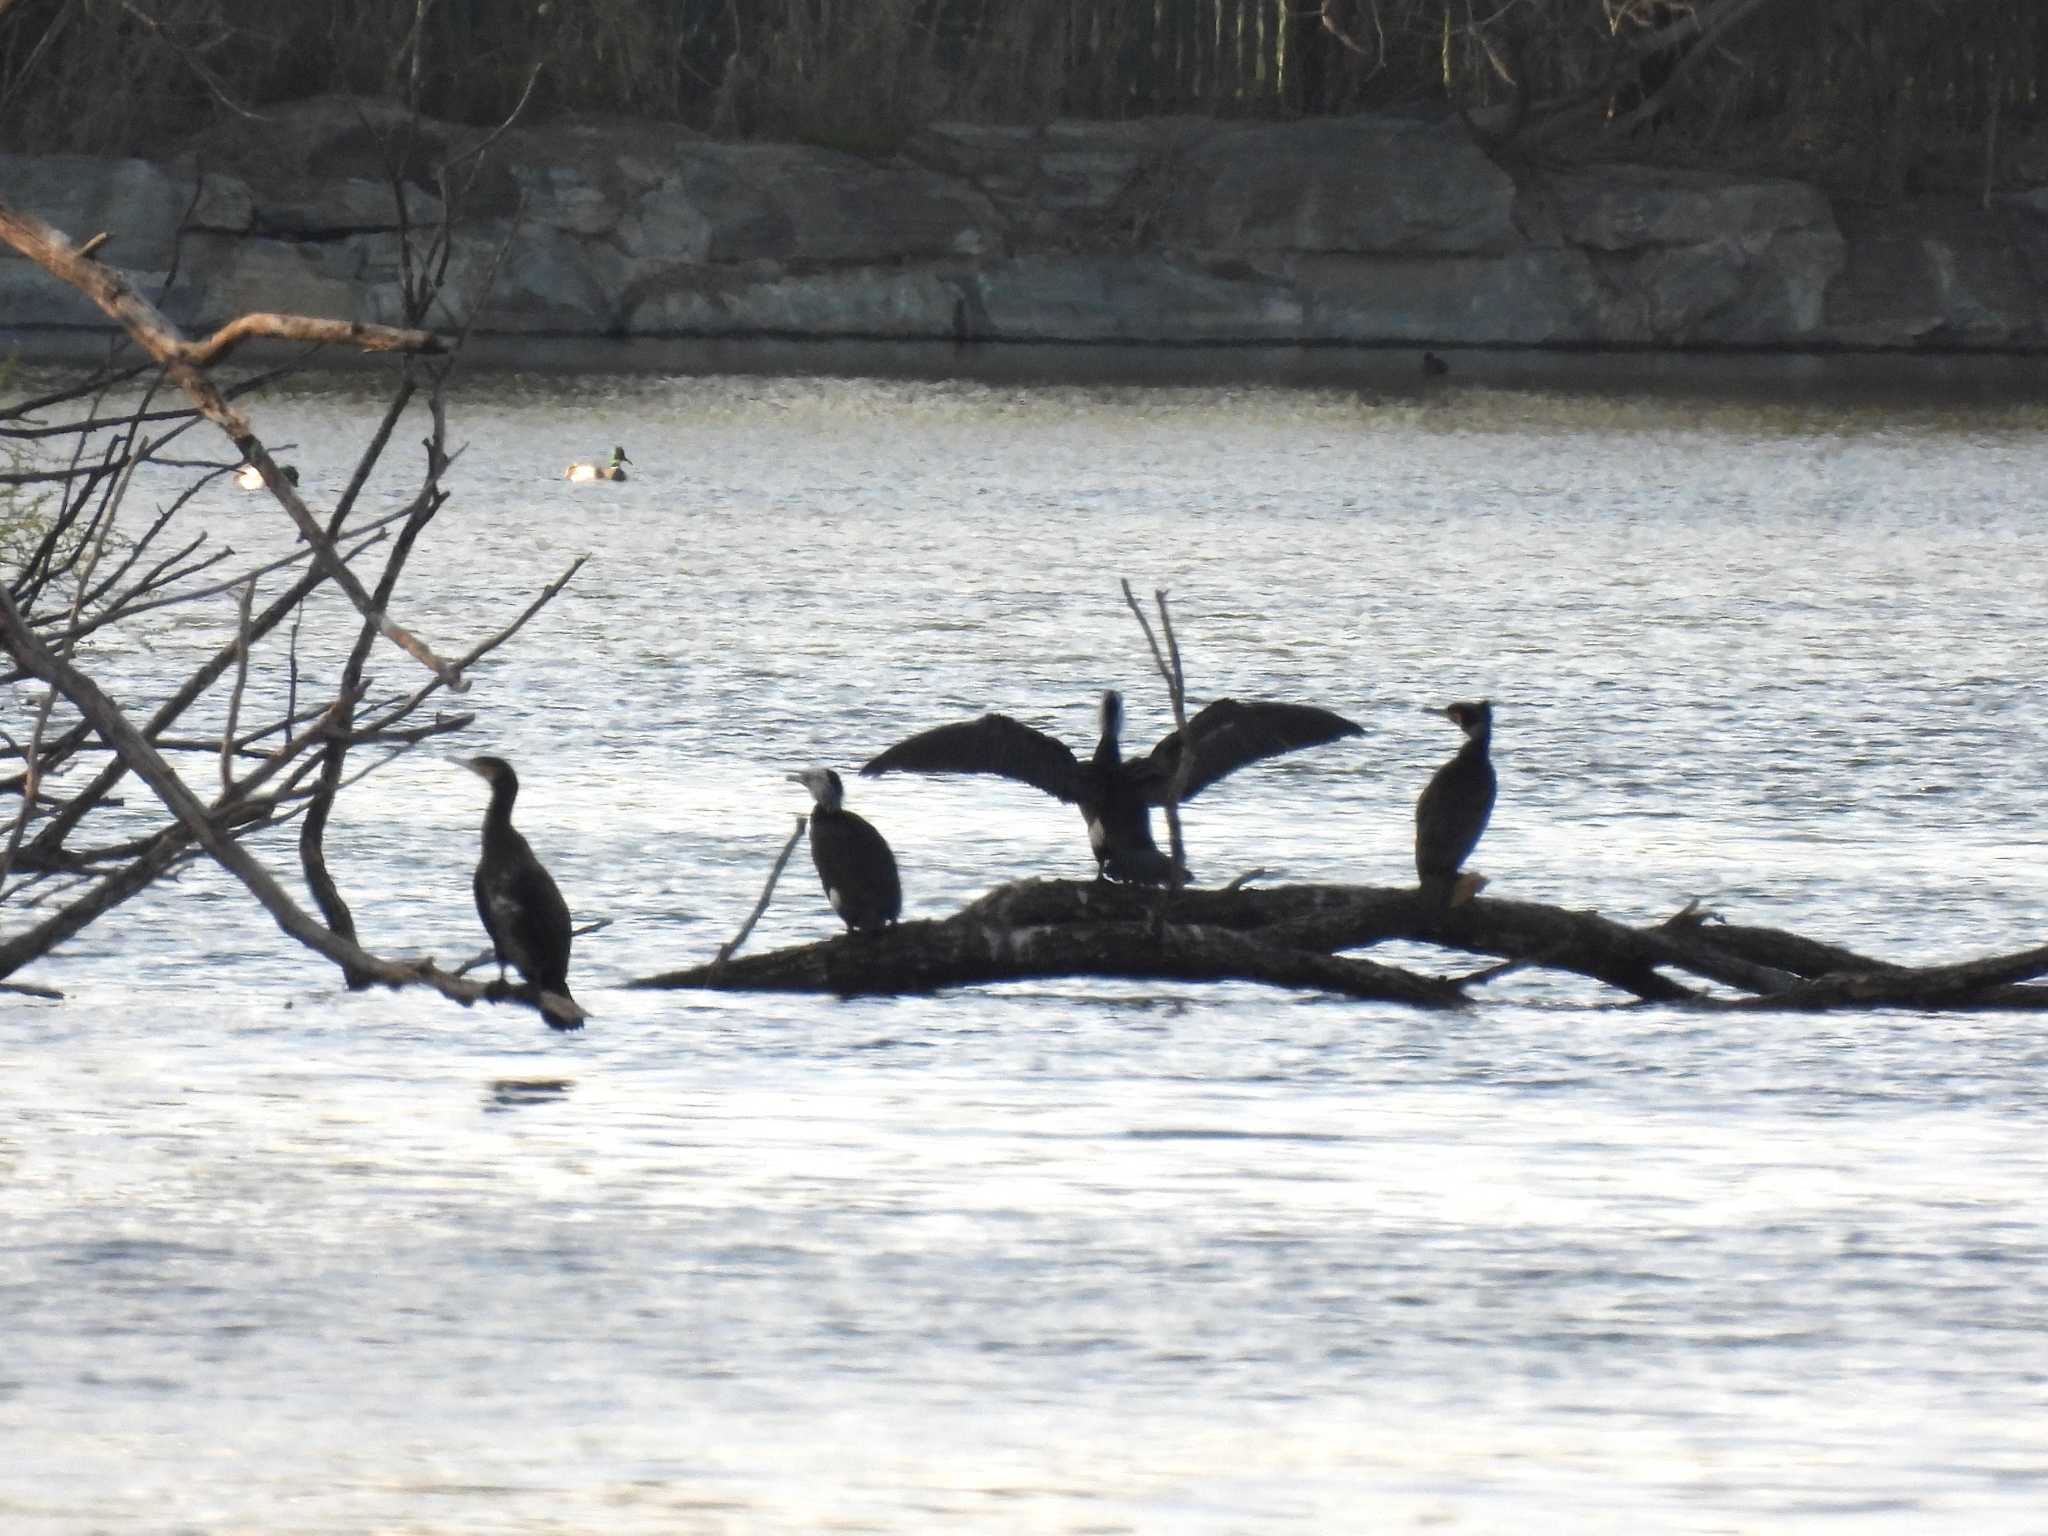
x=1390 y=371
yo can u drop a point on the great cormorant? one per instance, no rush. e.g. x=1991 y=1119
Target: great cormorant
x=520 y=904
x=854 y=862
x=1116 y=796
x=612 y=469
x=1453 y=809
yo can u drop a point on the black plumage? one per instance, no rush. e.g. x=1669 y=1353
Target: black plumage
x=854 y=862
x=1453 y=810
x=1116 y=796
x=521 y=906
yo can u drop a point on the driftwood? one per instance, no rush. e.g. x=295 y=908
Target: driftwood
x=1295 y=936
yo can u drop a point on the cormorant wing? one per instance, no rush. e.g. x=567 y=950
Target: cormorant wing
x=993 y=744
x=857 y=868
x=524 y=913
x=1227 y=735
x=1451 y=815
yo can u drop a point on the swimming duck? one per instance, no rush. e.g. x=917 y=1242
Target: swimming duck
x=612 y=469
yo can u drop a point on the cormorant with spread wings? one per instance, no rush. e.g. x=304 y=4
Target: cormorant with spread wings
x=1116 y=796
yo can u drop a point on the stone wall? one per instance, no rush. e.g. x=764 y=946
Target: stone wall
x=1367 y=230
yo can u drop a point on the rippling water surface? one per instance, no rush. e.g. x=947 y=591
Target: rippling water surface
x=1079 y=1257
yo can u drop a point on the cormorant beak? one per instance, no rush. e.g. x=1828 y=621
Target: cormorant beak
x=470 y=764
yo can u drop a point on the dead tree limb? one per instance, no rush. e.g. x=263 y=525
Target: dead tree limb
x=1297 y=936
x=927 y=956
x=1991 y=982
x=116 y=296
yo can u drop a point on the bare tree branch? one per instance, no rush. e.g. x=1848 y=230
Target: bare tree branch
x=117 y=297
x=1170 y=671
x=731 y=946
x=227 y=734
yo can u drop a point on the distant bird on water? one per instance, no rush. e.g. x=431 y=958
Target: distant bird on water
x=1116 y=796
x=250 y=478
x=855 y=864
x=1433 y=366
x=1453 y=810
x=521 y=907
x=612 y=469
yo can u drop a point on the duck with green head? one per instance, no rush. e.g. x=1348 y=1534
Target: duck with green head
x=613 y=469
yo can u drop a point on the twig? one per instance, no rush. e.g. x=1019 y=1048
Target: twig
x=1493 y=972
x=491 y=643
x=731 y=947
x=227 y=735
x=1184 y=760
x=291 y=695
x=31 y=780
x=192 y=61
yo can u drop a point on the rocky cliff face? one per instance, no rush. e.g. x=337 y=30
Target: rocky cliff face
x=1369 y=230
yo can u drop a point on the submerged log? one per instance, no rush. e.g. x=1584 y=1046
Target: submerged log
x=1295 y=936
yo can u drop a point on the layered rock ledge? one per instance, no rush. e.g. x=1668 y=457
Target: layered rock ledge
x=1364 y=230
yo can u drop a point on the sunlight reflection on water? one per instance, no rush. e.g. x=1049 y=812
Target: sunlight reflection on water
x=1087 y=1256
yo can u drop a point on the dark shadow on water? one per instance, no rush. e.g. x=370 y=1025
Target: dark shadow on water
x=505 y=1093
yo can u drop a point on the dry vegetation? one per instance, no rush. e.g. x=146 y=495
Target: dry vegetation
x=1873 y=96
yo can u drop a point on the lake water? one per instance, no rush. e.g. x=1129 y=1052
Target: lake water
x=1087 y=1257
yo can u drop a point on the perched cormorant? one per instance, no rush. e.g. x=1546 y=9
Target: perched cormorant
x=521 y=906
x=1116 y=796
x=612 y=469
x=250 y=478
x=1452 y=812
x=854 y=862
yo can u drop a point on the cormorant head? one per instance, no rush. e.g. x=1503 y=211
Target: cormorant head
x=824 y=785
x=1474 y=719
x=495 y=769
x=1112 y=714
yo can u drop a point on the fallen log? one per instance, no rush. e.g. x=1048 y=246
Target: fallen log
x=968 y=948
x=1298 y=935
